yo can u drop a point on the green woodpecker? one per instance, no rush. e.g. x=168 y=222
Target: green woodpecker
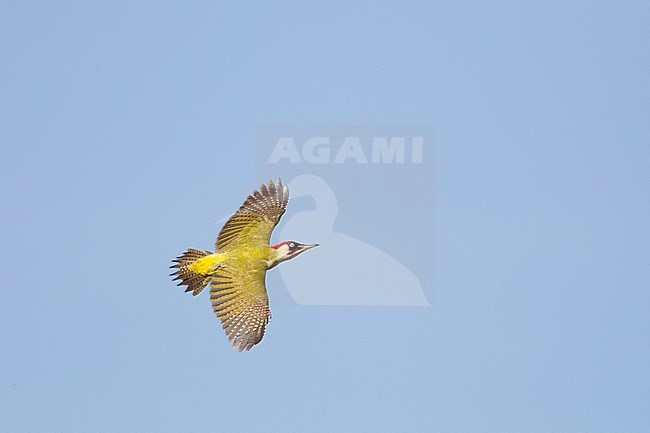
x=236 y=271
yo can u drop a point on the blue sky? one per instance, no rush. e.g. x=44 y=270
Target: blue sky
x=128 y=129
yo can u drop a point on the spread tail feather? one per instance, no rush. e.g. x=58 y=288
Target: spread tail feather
x=194 y=281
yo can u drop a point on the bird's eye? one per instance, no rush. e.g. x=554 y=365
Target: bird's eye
x=292 y=245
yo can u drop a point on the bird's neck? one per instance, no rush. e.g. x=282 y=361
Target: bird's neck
x=277 y=255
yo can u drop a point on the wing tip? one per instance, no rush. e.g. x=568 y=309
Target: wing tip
x=274 y=189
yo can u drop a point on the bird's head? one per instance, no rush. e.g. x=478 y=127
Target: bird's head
x=288 y=250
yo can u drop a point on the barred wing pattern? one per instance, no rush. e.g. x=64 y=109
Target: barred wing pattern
x=239 y=299
x=253 y=223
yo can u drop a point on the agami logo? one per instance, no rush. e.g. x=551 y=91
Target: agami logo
x=358 y=192
x=321 y=150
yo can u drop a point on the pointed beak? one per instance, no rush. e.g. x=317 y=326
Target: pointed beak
x=309 y=246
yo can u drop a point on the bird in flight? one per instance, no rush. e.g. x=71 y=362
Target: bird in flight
x=236 y=271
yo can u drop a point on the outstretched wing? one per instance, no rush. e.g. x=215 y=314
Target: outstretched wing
x=239 y=298
x=253 y=223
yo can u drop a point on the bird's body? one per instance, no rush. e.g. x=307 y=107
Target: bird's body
x=236 y=270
